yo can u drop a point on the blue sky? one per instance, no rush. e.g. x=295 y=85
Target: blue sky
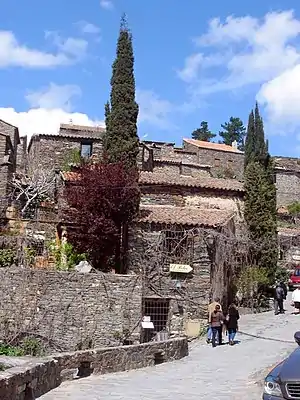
x=194 y=62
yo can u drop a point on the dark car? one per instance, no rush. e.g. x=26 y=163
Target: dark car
x=283 y=382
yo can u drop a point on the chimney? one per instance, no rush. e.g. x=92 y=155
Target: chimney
x=234 y=145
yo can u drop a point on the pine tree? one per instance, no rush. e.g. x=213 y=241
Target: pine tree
x=260 y=201
x=121 y=142
x=233 y=130
x=203 y=133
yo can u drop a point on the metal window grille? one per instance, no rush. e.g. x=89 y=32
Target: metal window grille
x=178 y=246
x=158 y=311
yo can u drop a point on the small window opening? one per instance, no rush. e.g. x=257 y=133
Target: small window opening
x=86 y=149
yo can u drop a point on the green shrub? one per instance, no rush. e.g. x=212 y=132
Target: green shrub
x=294 y=208
x=11 y=351
x=7 y=257
x=32 y=347
x=65 y=256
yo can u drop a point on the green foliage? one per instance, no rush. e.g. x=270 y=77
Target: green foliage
x=282 y=275
x=260 y=199
x=203 y=133
x=250 y=278
x=11 y=351
x=72 y=158
x=256 y=148
x=120 y=140
x=65 y=256
x=294 y=208
x=233 y=130
x=7 y=257
x=29 y=346
x=32 y=347
x=30 y=255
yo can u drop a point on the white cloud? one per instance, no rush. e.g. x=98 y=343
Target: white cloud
x=247 y=50
x=281 y=96
x=40 y=120
x=73 y=48
x=49 y=107
x=107 y=4
x=54 y=96
x=154 y=110
x=191 y=67
x=15 y=54
x=244 y=51
x=87 y=27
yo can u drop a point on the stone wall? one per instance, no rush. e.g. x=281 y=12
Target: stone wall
x=39 y=377
x=223 y=163
x=7 y=165
x=52 y=151
x=188 y=294
x=71 y=310
x=288 y=187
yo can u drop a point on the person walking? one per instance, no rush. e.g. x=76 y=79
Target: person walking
x=232 y=323
x=211 y=309
x=284 y=287
x=296 y=300
x=278 y=299
x=217 y=318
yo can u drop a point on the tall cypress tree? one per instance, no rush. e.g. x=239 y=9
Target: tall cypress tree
x=250 y=138
x=120 y=142
x=260 y=201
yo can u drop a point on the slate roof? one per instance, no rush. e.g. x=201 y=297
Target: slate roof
x=83 y=128
x=212 y=146
x=155 y=178
x=192 y=216
x=286 y=163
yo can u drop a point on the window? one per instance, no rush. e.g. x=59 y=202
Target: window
x=178 y=247
x=86 y=149
x=217 y=162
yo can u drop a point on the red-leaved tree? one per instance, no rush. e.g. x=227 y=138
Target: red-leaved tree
x=102 y=199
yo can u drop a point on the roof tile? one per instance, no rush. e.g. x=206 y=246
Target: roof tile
x=192 y=216
x=212 y=146
x=156 y=178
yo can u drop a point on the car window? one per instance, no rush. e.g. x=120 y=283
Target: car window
x=297 y=272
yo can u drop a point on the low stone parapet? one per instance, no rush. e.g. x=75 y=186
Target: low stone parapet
x=35 y=378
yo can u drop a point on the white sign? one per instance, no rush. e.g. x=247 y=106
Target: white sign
x=147 y=325
x=182 y=268
x=296 y=257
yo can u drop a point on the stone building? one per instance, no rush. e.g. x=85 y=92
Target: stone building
x=55 y=151
x=184 y=213
x=175 y=242
x=9 y=142
x=225 y=161
x=287 y=173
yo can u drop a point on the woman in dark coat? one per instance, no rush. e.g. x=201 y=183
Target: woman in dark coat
x=232 y=323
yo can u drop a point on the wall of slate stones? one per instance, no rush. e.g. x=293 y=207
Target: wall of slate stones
x=70 y=311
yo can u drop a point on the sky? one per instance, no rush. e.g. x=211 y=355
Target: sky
x=194 y=61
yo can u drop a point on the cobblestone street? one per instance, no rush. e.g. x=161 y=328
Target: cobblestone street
x=221 y=373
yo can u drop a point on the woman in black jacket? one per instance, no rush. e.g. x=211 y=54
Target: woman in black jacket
x=232 y=323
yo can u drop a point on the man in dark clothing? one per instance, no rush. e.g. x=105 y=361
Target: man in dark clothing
x=278 y=299
x=283 y=285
